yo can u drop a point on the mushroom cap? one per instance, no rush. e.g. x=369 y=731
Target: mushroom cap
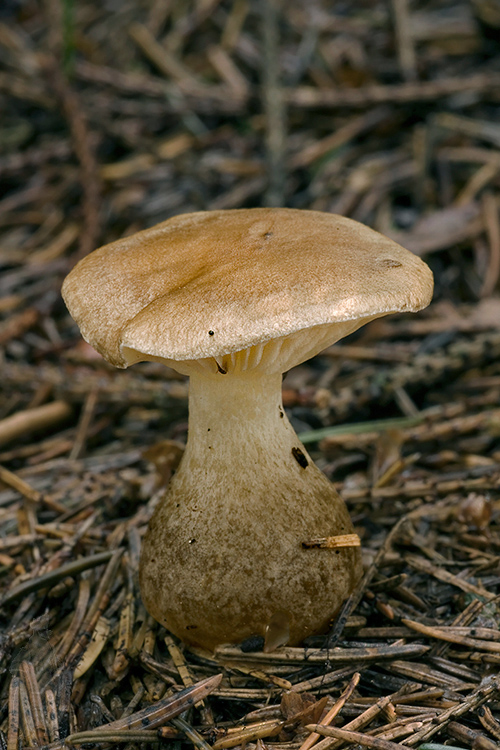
x=208 y=284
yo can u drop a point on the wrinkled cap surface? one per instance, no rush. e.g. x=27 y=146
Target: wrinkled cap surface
x=212 y=283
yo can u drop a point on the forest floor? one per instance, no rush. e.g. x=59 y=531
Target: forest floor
x=118 y=115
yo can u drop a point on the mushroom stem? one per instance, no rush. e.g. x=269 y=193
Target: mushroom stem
x=223 y=555
x=238 y=418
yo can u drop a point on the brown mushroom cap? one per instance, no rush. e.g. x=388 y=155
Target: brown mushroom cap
x=212 y=283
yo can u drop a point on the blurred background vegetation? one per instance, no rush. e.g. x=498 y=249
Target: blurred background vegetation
x=116 y=115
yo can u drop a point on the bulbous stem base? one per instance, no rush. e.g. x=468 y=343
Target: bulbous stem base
x=223 y=556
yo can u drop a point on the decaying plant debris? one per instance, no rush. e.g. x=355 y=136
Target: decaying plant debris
x=119 y=115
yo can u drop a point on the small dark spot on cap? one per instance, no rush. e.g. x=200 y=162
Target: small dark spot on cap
x=192 y=541
x=268 y=235
x=211 y=333
x=208 y=429
x=300 y=458
x=191 y=627
x=390 y=263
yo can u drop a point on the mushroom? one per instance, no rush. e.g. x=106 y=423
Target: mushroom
x=234 y=299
